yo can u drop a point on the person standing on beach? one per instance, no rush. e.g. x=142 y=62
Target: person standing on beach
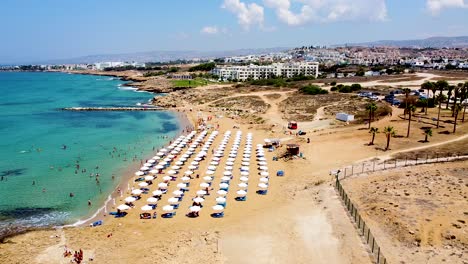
x=89 y=202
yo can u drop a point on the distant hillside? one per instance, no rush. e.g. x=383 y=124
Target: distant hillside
x=433 y=42
x=164 y=56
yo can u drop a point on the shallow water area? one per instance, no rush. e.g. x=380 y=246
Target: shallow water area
x=53 y=161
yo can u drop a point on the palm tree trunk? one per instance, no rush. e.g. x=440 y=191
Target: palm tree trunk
x=438 y=115
x=373 y=137
x=427 y=101
x=388 y=142
x=425 y=140
x=455 y=123
x=370 y=119
x=463 y=116
x=409 y=124
x=448 y=102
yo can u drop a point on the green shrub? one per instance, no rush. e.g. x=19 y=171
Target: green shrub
x=312 y=90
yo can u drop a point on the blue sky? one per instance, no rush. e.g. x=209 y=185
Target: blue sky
x=51 y=29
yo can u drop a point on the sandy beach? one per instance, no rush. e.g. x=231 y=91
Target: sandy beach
x=300 y=220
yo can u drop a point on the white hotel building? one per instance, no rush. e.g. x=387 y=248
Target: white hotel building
x=287 y=70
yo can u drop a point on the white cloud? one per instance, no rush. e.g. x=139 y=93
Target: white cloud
x=210 y=30
x=247 y=14
x=328 y=10
x=435 y=6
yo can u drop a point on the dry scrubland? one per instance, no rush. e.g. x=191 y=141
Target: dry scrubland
x=418 y=214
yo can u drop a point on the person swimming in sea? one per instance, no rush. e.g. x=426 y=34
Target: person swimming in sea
x=64 y=147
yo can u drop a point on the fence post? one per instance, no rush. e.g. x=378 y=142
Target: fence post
x=352 y=169
x=373 y=240
x=378 y=256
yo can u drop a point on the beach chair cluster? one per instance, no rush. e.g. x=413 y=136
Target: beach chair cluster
x=182 y=153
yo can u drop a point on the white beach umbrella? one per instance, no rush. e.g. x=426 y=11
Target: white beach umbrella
x=157 y=192
x=197 y=159
x=172 y=153
x=146 y=208
x=212 y=167
x=198 y=200
x=149 y=178
x=130 y=199
x=182 y=159
x=162 y=185
x=220 y=199
x=173 y=200
x=262 y=185
x=263 y=168
x=152 y=200
x=260 y=155
x=248 y=152
x=168 y=208
x=241 y=193
x=156 y=158
x=244 y=173
x=245 y=163
x=172 y=172
x=231 y=159
x=201 y=192
x=179 y=163
x=232 y=155
x=242 y=185
x=154 y=171
x=225 y=178
x=185 y=179
x=245 y=159
x=265 y=180
x=204 y=185
x=216 y=159
x=223 y=185
x=189 y=172
x=259 y=146
x=227 y=173
x=139 y=173
x=261 y=159
x=221 y=192
x=181 y=185
x=143 y=184
x=245 y=168
x=123 y=207
x=160 y=154
x=218 y=207
x=148 y=164
x=209 y=172
x=229 y=163
x=137 y=192
x=244 y=179
x=185 y=156
x=208 y=178
x=195 y=208
x=176 y=167
x=264 y=174
x=246 y=155
x=262 y=163
x=159 y=167
x=167 y=178
x=163 y=150
x=194 y=163
x=215 y=163
x=191 y=167
x=178 y=193
x=167 y=159
x=228 y=168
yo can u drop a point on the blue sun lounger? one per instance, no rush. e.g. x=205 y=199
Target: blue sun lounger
x=262 y=192
x=244 y=198
x=217 y=215
x=168 y=215
x=97 y=223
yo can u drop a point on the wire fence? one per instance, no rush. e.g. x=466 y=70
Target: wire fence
x=361 y=225
x=377 y=165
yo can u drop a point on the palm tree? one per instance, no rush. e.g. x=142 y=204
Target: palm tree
x=389 y=131
x=441 y=85
x=407 y=91
x=424 y=103
x=449 y=95
x=464 y=92
x=411 y=108
x=373 y=131
x=457 y=91
x=427 y=86
x=427 y=133
x=456 y=109
x=372 y=107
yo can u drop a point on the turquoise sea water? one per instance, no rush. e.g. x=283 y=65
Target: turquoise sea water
x=42 y=146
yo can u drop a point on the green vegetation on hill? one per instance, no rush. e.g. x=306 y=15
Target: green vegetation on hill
x=189 y=83
x=203 y=67
x=346 y=88
x=312 y=90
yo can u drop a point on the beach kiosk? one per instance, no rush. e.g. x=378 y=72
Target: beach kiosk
x=292 y=125
x=345 y=117
x=293 y=149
